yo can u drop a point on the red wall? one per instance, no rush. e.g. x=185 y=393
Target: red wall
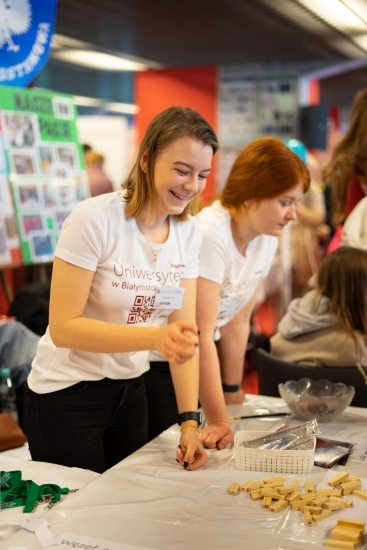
x=194 y=87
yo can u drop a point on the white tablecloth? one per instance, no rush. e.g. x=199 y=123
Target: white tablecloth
x=148 y=500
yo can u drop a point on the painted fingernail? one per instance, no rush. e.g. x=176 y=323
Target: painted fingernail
x=220 y=446
x=186 y=464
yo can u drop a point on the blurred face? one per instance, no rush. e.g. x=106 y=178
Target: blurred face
x=180 y=173
x=270 y=216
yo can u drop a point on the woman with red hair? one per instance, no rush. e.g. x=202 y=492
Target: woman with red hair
x=240 y=238
x=240 y=233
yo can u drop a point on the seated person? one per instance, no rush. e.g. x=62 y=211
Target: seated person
x=18 y=347
x=328 y=325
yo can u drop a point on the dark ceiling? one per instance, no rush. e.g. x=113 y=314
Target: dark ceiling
x=205 y=32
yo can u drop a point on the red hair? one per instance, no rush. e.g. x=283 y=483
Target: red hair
x=265 y=169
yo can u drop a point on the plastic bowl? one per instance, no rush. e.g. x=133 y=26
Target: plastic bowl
x=320 y=399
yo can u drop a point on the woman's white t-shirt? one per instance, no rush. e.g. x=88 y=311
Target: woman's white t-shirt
x=222 y=263
x=98 y=237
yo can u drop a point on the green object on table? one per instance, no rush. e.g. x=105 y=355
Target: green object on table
x=17 y=492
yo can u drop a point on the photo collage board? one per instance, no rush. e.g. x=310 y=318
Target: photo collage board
x=45 y=166
x=253 y=103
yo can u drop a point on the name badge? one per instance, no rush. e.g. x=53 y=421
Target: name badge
x=168 y=297
x=227 y=306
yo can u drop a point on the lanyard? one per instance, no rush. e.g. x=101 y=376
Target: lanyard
x=17 y=492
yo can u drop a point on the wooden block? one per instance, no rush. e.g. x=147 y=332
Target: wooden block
x=308 y=497
x=295 y=485
x=266 y=502
x=349 y=490
x=312 y=509
x=284 y=490
x=245 y=486
x=271 y=494
x=334 y=492
x=348 y=503
x=297 y=505
x=319 y=517
x=345 y=534
x=234 y=489
x=338 y=479
x=307 y=516
x=278 y=506
x=334 y=505
x=310 y=486
x=333 y=543
x=255 y=486
x=360 y=494
x=319 y=501
x=293 y=496
x=272 y=479
x=350 y=485
x=347 y=522
x=256 y=495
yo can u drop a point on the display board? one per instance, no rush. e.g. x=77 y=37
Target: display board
x=45 y=165
x=253 y=101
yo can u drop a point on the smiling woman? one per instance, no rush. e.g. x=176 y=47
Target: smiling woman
x=123 y=283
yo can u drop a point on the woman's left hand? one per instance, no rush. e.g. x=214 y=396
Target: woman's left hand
x=190 y=453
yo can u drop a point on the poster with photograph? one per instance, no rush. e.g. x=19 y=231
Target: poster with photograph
x=44 y=165
x=9 y=240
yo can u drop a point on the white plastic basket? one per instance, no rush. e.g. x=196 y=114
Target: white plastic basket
x=260 y=460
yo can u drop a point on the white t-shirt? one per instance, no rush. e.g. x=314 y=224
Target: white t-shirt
x=222 y=263
x=98 y=237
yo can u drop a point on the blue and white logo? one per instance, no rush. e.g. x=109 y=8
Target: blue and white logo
x=26 y=29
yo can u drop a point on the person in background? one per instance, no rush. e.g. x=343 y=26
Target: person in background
x=239 y=242
x=328 y=325
x=117 y=260
x=346 y=172
x=355 y=227
x=309 y=231
x=99 y=183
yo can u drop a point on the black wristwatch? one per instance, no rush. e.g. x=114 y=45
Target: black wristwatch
x=190 y=415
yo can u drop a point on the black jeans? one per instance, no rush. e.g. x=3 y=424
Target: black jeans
x=91 y=425
x=162 y=405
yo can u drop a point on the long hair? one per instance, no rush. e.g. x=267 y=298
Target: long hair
x=166 y=127
x=265 y=169
x=349 y=157
x=342 y=278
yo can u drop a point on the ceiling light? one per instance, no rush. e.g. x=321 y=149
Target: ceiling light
x=358 y=6
x=87 y=101
x=121 y=108
x=99 y=60
x=125 y=108
x=337 y=14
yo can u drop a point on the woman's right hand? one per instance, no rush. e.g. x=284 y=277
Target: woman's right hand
x=177 y=342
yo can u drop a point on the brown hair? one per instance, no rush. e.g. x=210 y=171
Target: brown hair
x=349 y=157
x=265 y=169
x=169 y=125
x=342 y=277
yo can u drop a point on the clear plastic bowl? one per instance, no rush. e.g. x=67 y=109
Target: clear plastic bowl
x=320 y=399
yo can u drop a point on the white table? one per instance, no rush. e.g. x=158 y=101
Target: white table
x=147 y=500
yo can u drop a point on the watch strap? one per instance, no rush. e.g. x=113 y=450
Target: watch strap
x=231 y=388
x=189 y=415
